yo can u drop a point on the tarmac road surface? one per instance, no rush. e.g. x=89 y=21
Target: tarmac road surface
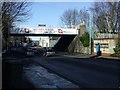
x=85 y=72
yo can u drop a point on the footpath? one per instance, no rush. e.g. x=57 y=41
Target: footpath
x=76 y=55
x=12 y=71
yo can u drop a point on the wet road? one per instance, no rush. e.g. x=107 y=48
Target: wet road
x=85 y=72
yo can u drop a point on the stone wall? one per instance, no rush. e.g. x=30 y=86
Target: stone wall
x=76 y=45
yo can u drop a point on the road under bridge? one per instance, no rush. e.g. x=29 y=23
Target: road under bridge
x=67 y=35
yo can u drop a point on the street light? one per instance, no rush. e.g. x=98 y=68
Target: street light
x=118 y=17
x=90 y=24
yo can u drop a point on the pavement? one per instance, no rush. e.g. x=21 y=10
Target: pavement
x=42 y=78
x=109 y=57
x=12 y=74
x=78 y=56
x=88 y=56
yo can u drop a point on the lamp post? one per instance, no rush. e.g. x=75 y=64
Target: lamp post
x=90 y=32
x=118 y=17
x=89 y=26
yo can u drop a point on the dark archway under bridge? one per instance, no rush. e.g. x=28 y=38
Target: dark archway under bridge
x=61 y=45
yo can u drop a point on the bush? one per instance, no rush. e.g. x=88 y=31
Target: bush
x=115 y=55
x=85 y=39
x=117 y=49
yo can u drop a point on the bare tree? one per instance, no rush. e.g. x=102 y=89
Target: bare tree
x=73 y=17
x=70 y=17
x=105 y=16
x=13 y=12
x=83 y=15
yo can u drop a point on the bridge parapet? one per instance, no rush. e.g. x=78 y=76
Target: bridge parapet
x=44 y=31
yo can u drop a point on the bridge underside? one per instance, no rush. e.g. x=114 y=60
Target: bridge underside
x=61 y=45
x=42 y=34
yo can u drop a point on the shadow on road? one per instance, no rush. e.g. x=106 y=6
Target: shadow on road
x=12 y=71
